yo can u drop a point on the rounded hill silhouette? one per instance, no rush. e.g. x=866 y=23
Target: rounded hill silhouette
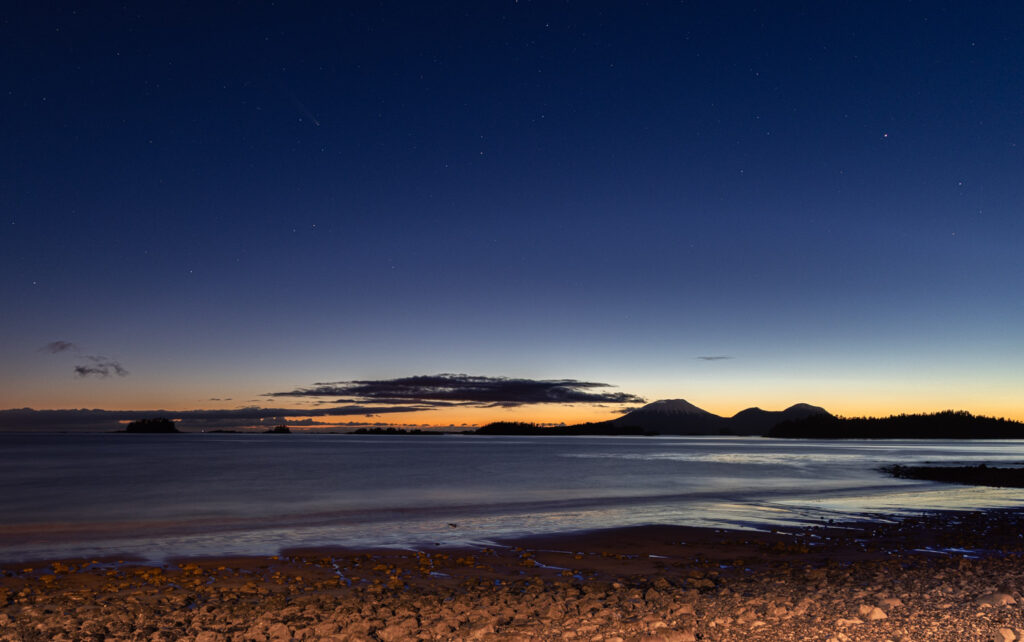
x=680 y=417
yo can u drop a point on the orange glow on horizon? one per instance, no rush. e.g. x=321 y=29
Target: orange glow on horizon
x=470 y=417
x=857 y=399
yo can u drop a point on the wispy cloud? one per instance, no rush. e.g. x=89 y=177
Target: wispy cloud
x=59 y=346
x=90 y=365
x=98 y=366
x=716 y=357
x=465 y=390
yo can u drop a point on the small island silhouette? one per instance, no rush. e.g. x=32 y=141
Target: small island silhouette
x=152 y=425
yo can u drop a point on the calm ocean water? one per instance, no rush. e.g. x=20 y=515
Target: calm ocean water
x=157 y=496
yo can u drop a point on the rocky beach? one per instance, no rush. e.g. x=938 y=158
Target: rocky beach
x=942 y=576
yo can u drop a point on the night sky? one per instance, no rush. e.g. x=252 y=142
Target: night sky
x=738 y=204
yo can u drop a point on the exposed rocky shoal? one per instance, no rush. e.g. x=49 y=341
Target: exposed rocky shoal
x=951 y=576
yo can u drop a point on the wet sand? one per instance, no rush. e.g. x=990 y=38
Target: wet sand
x=947 y=576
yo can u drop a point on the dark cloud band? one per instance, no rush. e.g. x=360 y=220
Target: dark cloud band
x=467 y=390
x=100 y=367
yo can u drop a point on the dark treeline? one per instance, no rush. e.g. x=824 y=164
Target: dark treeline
x=948 y=424
x=394 y=431
x=522 y=428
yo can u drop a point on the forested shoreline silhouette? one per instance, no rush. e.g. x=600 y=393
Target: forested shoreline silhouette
x=948 y=424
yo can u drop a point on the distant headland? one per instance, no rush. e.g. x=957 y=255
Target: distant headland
x=377 y=430
x=529 y=429
x=980 y=475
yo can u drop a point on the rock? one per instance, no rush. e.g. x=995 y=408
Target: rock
x=995 y=599
x=872 y=612
x=326 y=629
x=357 y=628
x=890 y=603
x=396 y=632
x=279 y=633
x=209 y=636
x=442 y=629
x=1004 y=635
x=670 y=636
x=682 y=609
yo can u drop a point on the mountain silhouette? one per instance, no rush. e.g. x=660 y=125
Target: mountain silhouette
x=754 y=421
x=672 y=417
x=680 y=417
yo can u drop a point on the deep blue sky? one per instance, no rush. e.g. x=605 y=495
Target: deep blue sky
x=248 y=198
